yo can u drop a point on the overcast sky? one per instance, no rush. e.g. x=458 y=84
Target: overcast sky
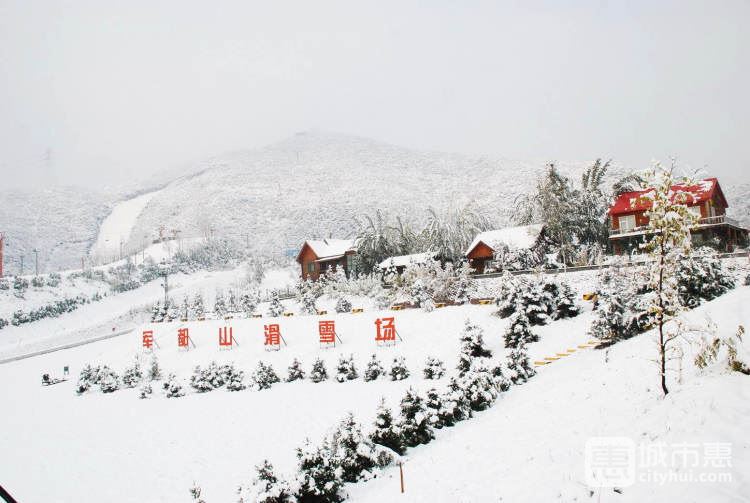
x=101 y=91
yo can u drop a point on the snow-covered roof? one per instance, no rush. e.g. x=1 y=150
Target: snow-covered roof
x=330 y=248
x=404 y=260
x=639 y=200
x=523 y=236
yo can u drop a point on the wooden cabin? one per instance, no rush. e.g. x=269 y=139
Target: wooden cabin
x=482 y=252
x=402 y=261
x=628 y=221
x=319 y=256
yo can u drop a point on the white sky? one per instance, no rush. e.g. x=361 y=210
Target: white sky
x=122 y=89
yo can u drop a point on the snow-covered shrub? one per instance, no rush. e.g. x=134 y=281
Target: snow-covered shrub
x=197 y=308
x=479 y=387
x=319 y=372
x=156 y=314
x=435 y=410
x=132 y=375
x=472 y=346
x=88 y=377
x=374 y=369
x=747 y=280
x=145 y=391
x=724 y=349
x=701 y=276
x=498 y=377
x=173 y=387
x=37 y=282
x=618 y=312
x=519 y=331
x=519 y=366
x=53 y=280
x=343 y=305
x=345 y=369
x=385 y=432
x=266 y=487
x=109 y=381
x=433 y=368
x=413 y=422
x=543 y=299
x=318 y=477
x=355 y=454
x=264 y=376
x=3 y=323
x=307 y=294
x=295 y=371
x=249 y=301
x=220 y=305
x=235 y=378
x=154 y=370
x=212 y=377
x=398 y=370
x=456 y=405
x=275 y=307
x=4 y=285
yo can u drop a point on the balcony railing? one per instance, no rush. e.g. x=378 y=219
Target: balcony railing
x=703 y=222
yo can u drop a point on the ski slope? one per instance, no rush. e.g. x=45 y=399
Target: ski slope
x=116 y=229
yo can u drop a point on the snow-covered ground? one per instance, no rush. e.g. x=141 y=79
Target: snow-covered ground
x=528 y=447
x=118 y=226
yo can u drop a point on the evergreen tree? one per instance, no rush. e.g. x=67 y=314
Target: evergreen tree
x=519 y=367
x=472 y=346
x=343 y=305
x=156 y=314
x=295 y=371
x=479 y=387
x=498 y=377
x=701 y=276
x=185 y=309
x=132 y=375
x=173 y=311
x=456 y=406
x=173 y=387
x=145 y=391
x=566 y=306
x=318 y=477
x=345 y=370
x=249 y=301
x=197 y=310
x=355 y=454
x=434 y=368
x=398 y=370
x=220 y=306
x=386 y=433
x=232 y=306
x=264 y=376
x=374 y=369
x=413 y=421
x=154 y=371
x=275 y=308
x=435 y=409
x=266 y=487
x=235 y=379
x=518 y=331
x=109 y=381
x=318 y=372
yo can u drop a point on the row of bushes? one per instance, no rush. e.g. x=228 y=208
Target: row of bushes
x=52 y=310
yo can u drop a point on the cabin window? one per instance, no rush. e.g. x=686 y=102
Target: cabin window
x=627 y=223
x=349 y=263
x=310 y=267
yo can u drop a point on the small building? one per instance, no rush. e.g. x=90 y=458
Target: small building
x=485 y=248
x=628 y=221
x=402 y=261
x=319 y=256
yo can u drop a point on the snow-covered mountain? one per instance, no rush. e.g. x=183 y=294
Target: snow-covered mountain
x=310 y=185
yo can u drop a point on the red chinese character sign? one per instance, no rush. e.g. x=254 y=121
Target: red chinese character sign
x=385 y=331
x=327 y=333
x=226 y=338
x=183 y=339
x=272 y=335
x=148 y=339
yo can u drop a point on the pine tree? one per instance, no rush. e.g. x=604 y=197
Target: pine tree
x=701 y=276
x=472 y=346
x=266 y=487
x=220 y=306
x=456 y=406
x=109 y=381
x=434 y=404
x=154 y=371
x=355 y=454
x=398 y=370
x=145 y=391
x=498 y=377
x=173 y=387
x=413 y=420
x=232 y=306
x=185 y=309
x=156 y=314
x=199 y=381
x=318 y=372
x=197 y=310
x=235 y=379
x=173 y=311
x=264 y=376
x=479 y=387
x=566 y=306
x=374 y=369
x=464 y=285
x=345 y=370
x=519 y=367
x=518 y=331
x=386 y=433
x=275 y=308
x=434 y=368
x=318 y=479
x=249 y=301
x=343 y=305
x=295 y=371
x=132 y=375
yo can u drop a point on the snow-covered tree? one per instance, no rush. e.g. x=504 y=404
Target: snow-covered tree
x=173 y=311
x=173 y=387
x=398 y=370
x=435 y=408
x=220 y=305
x=343 y=305
x=154 y=370
x=434 y=368
x=319 y=372
x=498 y=376
x=109 y=381
x=617 y=315
x=346 y=370
x=231 y=302
x=385 y=432
x=464 y=285
x=156 y=314
x=354 y=452
x=249 y=301
x=197 y=309
x=479 y=386
x=185 y=309
x=132 y=375
x=519 y=331
x=146 y=391
x=472 y=346
x=264 y=376
x=701 y=276
x=295 y=371
x=668 y=239
x=456 y=406
x=519 y=366
x=266 y=487
x=235 y=379
x=374 y=369
x=318 y=475
x=413 y=422
x=275 y=307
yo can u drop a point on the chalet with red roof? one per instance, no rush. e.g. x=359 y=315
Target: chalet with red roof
x=628 y=220
x=319 y=256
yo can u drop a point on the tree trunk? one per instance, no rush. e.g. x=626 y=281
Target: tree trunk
x=660 y=319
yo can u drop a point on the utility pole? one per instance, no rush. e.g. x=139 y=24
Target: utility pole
x=36 y=261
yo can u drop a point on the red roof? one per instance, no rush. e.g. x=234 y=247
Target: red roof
x=629 y=202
